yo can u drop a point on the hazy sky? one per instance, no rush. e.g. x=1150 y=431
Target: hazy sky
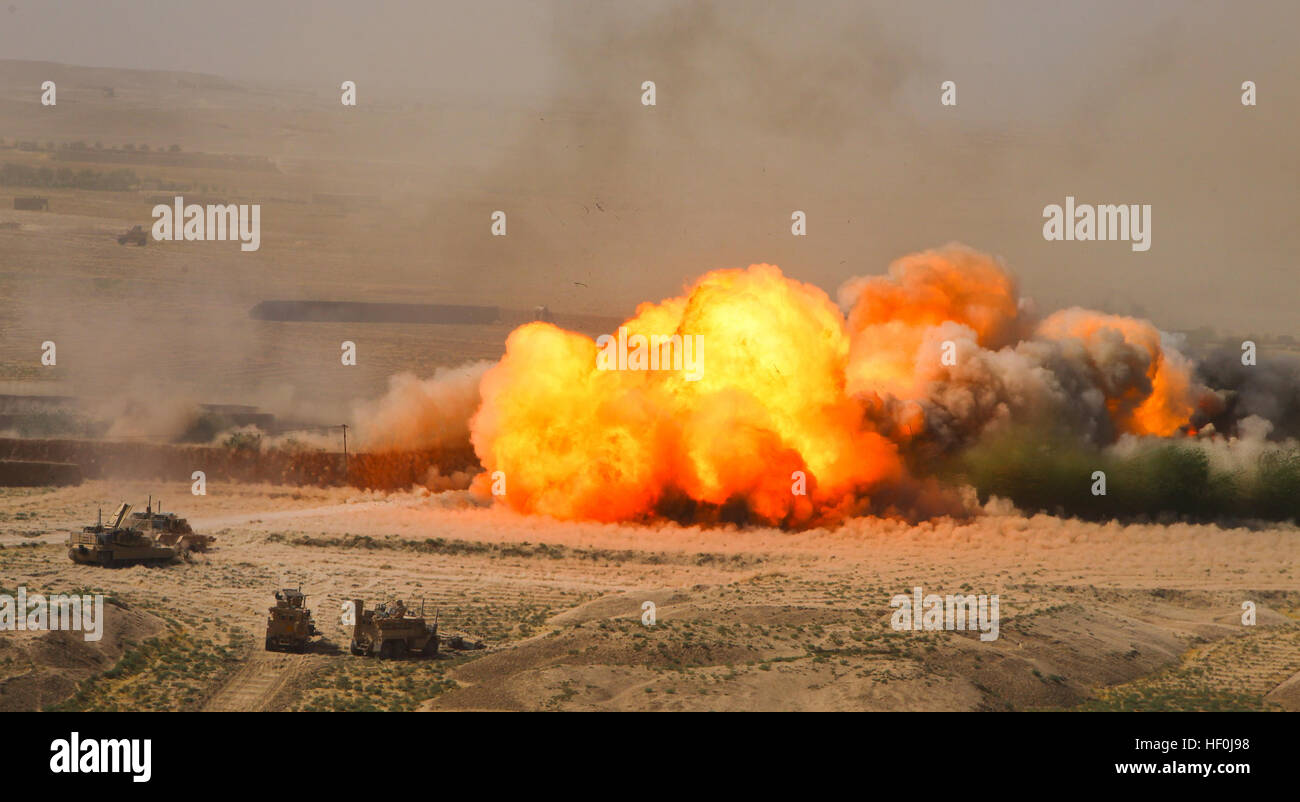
x=830 y=107
x=476 y=46
x=509 y=47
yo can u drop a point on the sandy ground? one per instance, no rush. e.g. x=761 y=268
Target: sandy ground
x=1101 y=616
x=1097 y=616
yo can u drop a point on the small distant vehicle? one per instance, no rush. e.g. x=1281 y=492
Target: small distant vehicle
x=135 y=236
x=118 y=543
x=33 y=204
x=390 y=632
x=289 y=625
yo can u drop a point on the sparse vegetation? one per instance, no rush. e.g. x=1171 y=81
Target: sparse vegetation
x=172 y=671
x=376 y=685
x=22 y=175
x=438 y=545
x=1040 y=471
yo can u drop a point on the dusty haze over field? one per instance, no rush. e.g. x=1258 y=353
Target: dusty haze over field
x=762 y=109
x=829 y=108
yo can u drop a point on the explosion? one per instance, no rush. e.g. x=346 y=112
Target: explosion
x=578 y=442
x=802 y=415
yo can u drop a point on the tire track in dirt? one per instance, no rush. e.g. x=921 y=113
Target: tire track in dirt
x=256 y=684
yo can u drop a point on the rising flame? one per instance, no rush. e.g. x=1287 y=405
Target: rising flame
x=1156 y=401
x=576 y=442
x=890 y=316
x=789 y=385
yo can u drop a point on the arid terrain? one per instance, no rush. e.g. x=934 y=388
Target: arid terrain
x=1092 y=616
x=393 y=205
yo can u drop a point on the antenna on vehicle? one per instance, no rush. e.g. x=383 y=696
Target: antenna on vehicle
x=345 y=452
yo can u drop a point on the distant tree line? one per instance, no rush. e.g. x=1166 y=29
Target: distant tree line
x=80 y=145
x=22 y=175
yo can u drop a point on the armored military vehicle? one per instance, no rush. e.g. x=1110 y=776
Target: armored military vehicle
x=32 y=204
x=171 y=530
x=118 y=543
x=135 y=236
x=289 y=626
x=390 y=632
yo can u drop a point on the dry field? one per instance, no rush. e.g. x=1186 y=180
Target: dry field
x=169 y=323
x=1092 y=616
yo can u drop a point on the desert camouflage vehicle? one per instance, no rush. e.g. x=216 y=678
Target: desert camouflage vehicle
x=289 y=626
x=390 y=632
x=135 y=236
x=118 y=543
x=171 y=530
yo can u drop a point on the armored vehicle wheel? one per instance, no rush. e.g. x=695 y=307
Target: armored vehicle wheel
x=270 y=647
x=386 y=650
x=399 y=649
x=355 y=649
x=431 y=646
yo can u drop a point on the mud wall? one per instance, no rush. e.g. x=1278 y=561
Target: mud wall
x=30 y=473
x=95 y=459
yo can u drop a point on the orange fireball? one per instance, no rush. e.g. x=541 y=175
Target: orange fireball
x=1158 y=395
x=890 y=315
x=767 y=423
x=753 y=392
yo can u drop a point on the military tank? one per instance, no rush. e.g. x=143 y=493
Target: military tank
x=390 y=631
x=289 y=625
x=135 y=236
x=171 y=530
x=118 y=542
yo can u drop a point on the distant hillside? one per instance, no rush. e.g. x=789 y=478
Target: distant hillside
x=19 y=75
